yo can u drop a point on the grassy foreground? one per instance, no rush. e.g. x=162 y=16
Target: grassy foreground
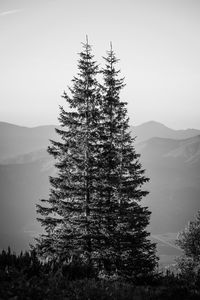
x=23 y=277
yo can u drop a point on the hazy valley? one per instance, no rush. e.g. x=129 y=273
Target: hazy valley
x=171 y=159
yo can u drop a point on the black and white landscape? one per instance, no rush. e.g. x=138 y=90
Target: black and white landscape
x=110 y=73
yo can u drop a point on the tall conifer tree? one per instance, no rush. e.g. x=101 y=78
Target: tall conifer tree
x=93 y=211
x=128 y=249
x=68 y=214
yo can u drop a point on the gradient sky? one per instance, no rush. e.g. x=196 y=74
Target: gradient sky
x=157 y=41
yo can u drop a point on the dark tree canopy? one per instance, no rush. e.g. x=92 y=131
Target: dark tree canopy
x=93 y=212
x=68 y=216
x=131 y=252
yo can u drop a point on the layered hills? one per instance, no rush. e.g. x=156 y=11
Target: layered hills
x=171 y=159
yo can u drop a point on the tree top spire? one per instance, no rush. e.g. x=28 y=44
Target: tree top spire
x=111 y=46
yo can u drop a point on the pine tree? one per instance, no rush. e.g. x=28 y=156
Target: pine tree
x=93 y=212
x=189 y=241
x=128 y=251
x=69 y=214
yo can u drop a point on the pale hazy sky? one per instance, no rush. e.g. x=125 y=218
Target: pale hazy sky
x=157 y=41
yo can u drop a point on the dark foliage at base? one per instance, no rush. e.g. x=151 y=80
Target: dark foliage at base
x=24 y=277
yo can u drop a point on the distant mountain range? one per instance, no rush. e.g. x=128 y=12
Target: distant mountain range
x=154 y=129
x=171 y=159
x=16 y=140
x=173 y=167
